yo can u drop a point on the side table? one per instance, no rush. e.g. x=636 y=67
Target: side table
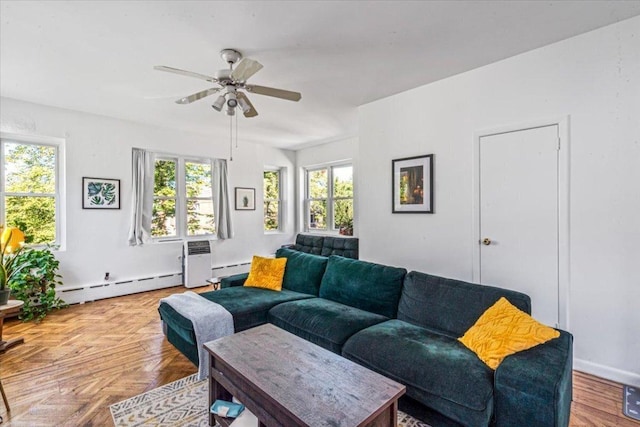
x=11 y=307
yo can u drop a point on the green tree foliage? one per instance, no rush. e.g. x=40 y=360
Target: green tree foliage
x=31 y=169
x=199 y=212
x=271 y=199
x=318 y=189
x=199 y=209
x=164 y=207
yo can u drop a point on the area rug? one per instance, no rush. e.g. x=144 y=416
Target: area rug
x=183 y=403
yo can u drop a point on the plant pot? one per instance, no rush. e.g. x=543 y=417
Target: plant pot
x=4 y=296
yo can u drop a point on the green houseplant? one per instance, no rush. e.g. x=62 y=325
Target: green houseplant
x=35 y=282
x=10 y=246
x=30 y=274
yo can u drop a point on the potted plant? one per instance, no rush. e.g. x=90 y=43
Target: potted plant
x=35 y=282
x=11 y=244
x=346 y=228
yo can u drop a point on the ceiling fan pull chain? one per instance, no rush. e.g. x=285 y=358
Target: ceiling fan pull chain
x=230 y=139
x=236 y=131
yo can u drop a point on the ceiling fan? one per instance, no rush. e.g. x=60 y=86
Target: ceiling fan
x=230 y=83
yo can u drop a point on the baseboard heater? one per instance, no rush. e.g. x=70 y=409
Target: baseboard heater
x=93 y=292
x=219 y=273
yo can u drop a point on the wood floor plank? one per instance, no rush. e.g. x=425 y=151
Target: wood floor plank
x=82 y=359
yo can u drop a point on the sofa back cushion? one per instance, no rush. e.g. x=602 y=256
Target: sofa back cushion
x=309 y=244
x=343 y=246
x=371 y=287
x=450 y=306
x=303 y=272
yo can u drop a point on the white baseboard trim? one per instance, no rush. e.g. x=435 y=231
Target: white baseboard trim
x=613 y=374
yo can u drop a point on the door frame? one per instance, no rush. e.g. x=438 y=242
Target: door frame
x=563 y=204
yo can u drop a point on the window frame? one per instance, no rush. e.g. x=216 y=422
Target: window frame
x=280 y=201
x=330 y=220
x=59 y=242
x=181 y=198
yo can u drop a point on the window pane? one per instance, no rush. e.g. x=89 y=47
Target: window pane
x=198 y=179
x=35 y=216
x=271 y=215
x=164 y=218
x=200 y=217
x=343 y=181
x=271 y=185
x=165 y=178
x=343 y=214
x=30 y=168
x=318 y=214
x=318 y=184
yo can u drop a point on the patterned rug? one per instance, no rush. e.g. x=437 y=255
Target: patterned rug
x=183 y=403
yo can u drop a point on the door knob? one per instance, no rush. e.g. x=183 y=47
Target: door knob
x=486 y=241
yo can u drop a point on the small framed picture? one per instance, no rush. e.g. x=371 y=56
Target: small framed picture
x=245 y=199
x=412 y=190
x=100 y=193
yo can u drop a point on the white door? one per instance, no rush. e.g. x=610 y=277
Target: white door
x=518 y=203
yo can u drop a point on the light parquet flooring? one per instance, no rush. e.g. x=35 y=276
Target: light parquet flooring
x=82 y=359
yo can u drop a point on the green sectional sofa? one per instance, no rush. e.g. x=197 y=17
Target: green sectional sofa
x=404 y=326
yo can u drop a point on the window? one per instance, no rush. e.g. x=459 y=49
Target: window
x=29 y=190
x=272 y=199
x=182 y=198
x=329 y=199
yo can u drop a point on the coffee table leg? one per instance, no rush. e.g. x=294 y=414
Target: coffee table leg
x=216 y=391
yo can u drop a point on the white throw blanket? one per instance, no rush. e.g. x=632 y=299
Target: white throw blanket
x=210 y=321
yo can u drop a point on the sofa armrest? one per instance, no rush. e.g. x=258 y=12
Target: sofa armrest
x=533 y=387
x=235 y=280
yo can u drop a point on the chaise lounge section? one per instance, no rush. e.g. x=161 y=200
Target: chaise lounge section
x=406 y=327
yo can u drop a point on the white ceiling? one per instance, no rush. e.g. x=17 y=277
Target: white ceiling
x=98 y=56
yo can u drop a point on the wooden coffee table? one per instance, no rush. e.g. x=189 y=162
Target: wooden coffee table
x=287 y=381
x=11 y=307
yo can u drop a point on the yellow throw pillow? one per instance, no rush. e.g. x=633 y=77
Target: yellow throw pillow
x=503 y=330
x=266 y=273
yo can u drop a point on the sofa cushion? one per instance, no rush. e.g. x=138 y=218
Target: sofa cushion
x=309 y=244
x=438 y=370
x=450 y=306
x=326 y=323
x=248 y=306
x=342 y=246
x=371 y=287
x=303 y=272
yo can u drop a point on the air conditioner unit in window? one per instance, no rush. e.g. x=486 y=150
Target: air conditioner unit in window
x=196 y=263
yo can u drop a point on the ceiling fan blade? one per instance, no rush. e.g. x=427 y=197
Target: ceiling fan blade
x=185 y=73
x=251 y=111
x=196 y=96
x=276 y=93
x=245 y=69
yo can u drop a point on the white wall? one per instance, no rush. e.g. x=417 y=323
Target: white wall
x=341 y=150
x=593 y=78
x=97 y=146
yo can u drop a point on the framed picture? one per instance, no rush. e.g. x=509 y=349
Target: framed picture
x=100 y=193
x=245 y=199
x=412 y=190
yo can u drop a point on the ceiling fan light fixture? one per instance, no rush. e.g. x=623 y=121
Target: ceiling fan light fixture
x=232 y=100
x=231 y=111
x=219 y=103
x=243 y=105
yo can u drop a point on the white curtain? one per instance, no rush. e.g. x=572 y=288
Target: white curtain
x=221 y=206
x=143 y=163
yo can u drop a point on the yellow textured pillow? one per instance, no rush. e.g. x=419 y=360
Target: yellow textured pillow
x=266 y=273
x=503 y=330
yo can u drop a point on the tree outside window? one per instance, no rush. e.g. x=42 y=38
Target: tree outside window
x=182 y=199
x=329 y=199
x=30 y=191
x=272 y=199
